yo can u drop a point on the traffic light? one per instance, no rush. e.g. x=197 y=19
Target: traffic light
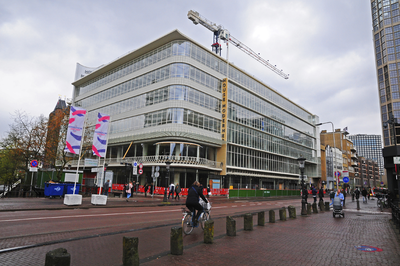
x=105 y=166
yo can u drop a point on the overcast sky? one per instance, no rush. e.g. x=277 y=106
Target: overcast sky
x=325 y=46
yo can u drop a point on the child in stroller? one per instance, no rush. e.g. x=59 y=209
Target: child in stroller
x=338 y=204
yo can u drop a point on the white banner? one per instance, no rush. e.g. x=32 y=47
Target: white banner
x=75 y=128
x=101 y=135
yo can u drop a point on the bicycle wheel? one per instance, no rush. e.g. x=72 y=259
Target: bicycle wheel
x=203 y=218
x=379 y=203
x=187 y=224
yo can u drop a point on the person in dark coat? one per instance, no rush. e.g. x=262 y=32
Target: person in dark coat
x=177 y=190
x=106 y=187
x=314 y=194
x=321 y=194
x=364 y=194
x=192 y=201
x=357 y=194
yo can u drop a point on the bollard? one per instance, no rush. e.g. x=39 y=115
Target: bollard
x=230 y=226
x=176 y=240
x=292 y=212
x=358 y=204
x=248 y=222
x=321 y=206
x=282 y=214
x=272 y=216
x=314 y=208
x=130 y=254
x=327 y=206
x=308 y=208
x=58 y=257
x=261 y=218
x=209 y=232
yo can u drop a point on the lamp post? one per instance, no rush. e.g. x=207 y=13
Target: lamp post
x=302 y=162
x=167 y=164
x=334 y=153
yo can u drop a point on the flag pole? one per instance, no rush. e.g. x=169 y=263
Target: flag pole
x=80 y=152
x=105 y=155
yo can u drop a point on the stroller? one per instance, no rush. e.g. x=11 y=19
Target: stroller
x=337 y=207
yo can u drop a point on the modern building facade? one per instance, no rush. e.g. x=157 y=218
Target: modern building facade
x=341 y=158
x=369 y=147
x=173 y=101
x=386 y=37
x=368 y=174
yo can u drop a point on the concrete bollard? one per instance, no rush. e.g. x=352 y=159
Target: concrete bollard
x=58 y=257
x=308 y=208
x=261 y=219
x=327 y=206
x=282 y=214
x=314 y=207
x=130 y=253
x=292 y=212
x=321 y=206
x=176 y=240
x=230 y=226
x=209 y=232
x=248 y=222
x=272 y=216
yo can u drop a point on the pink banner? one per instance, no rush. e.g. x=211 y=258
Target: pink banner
x=75 y=129
x=100 y=135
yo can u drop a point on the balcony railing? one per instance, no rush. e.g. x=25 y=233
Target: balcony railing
x=155 y=160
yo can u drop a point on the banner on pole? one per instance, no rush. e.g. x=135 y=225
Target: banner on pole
x=75 y=128
x=101 y=135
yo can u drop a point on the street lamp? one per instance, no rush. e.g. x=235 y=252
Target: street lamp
x=167 y=164
x=334 y=149
x=302 y=162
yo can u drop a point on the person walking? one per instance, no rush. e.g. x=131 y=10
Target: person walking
x=177 y=190
x=146 y=187
x=106 y=187
x=357 y=194
x=171 y=190
x=128 y=190
x=364 y=194
x=321 y=194
x=314 y=194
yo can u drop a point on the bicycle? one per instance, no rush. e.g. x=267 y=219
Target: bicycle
x=187 y=218
x=382 y=202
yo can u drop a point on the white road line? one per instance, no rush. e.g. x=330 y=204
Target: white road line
x=86 y=215
x=234 y=206
x=244 y=205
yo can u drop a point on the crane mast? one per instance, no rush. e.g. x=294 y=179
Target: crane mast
x=223 y=34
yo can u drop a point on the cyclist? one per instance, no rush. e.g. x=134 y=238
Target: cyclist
x=192 y=201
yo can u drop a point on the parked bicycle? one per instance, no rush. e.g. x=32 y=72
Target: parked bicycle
x=382 y=201
x=187 y=218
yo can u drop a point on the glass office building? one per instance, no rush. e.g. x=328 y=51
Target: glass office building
x=167 y=105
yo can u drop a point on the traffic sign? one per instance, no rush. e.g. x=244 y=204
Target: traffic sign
x=140 y=171
x=156 y=174
x=157 y=168
x=140 y=165
x=337 y=173
x=134 y=172
x=345 y=179
x=134 y=164
x=34 y=163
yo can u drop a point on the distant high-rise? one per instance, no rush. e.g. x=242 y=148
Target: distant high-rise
x=386 y=39
x=370 y=147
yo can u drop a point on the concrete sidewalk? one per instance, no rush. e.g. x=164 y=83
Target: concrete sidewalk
x=363 y=237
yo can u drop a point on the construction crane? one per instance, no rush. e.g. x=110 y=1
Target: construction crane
x=223 y=34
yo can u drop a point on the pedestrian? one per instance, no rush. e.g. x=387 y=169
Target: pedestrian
x=305 y=193
x=128 y=190
x=146 y=186
x=106 y=187
x=171 y=190
x=339 y=194
x=364 y=194
x=357 y=194
x=177 y=190
x=314 y=194
x=332 y=196
x=321 y=194
x=208 y=191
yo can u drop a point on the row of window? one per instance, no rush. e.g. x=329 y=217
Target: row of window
x=257 y=104
x=184 y=48
x=166 y=116
x=176 y=70
x=249 y=118
x=173 y=92
x=247 y=158
x=255 y=139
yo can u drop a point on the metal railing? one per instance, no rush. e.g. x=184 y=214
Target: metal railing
x=157 y=159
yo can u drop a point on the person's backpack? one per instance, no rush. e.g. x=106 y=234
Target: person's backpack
x=127 y=187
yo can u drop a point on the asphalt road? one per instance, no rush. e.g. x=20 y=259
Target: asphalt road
x=93 y=236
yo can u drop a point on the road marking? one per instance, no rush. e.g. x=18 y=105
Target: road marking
x=244 y=205
x=372 y=212
x=86 y=215
x=234 y=206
